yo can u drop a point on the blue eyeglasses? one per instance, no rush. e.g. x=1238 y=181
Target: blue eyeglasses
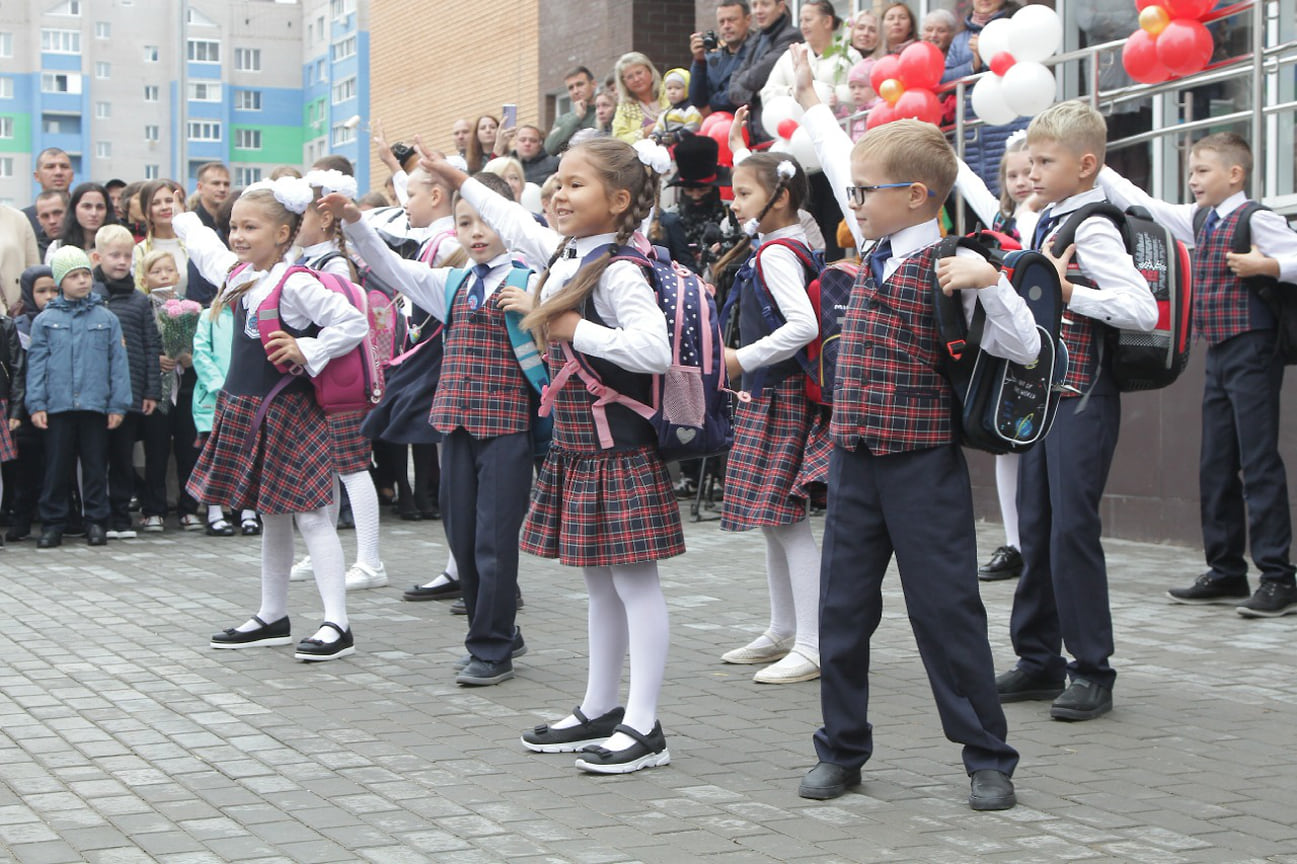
x=856 y=194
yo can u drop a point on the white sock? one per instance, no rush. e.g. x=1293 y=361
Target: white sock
x=325 y=549
x=335 y=506
x=1006 y=486
x=276 y=561
x=248 y=516
x=802 y=558
x=650 y=636
x=214 y=512
x=442 y=579
x=364 y=508
x=783 y=617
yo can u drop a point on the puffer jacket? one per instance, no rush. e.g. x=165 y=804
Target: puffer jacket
x=13 y=374
x=77 y=361
x=212 y=345
x=140 y=330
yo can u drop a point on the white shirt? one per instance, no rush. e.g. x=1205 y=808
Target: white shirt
x=635 y=337
x=785 y=279
x=1270 y=231
x=304 y=300
x=337 y=265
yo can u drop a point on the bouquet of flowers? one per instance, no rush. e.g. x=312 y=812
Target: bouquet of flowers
x=177 y=323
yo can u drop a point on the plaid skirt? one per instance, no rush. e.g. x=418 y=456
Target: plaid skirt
x=605 y=508
x=8 y=449
x=289 y=467
x=352 y=451
x=774 y=458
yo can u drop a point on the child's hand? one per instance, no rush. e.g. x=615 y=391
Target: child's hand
x=167 y=364
x=563 y=327
x=340 y=206
x=1060 y=264
x=1253 y=263
x=148 y=406
x=515 y=299
x=959 y=273
x=282 y=349
x=114 y=420
x=14 y=423
x=185 y=360
x=434 y=162
x=732 y=364
x=385 y=154
x=803 y=81
x=736 y=129
x=40 y=420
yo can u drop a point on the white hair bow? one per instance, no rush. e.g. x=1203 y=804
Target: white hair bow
x=333 y=181
x=293 y=192
x=653 y=155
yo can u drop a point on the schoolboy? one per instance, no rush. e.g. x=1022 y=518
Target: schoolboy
x=898 y=482
x=1062 y=596
x=77 y=372
x=112 y=258
x=483 y=408
x=1240 y=400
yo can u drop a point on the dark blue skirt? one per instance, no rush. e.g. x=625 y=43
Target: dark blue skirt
x=401 y=416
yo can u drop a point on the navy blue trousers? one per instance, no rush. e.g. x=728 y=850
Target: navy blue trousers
x=1243 y=487
x=1062 y=597
x=919 y=506
x=72 y=436
x=485 y=492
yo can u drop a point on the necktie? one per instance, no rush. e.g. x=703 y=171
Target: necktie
x=878 y=260
x=477 y=290
x=1212 y=220
x=1043 y=227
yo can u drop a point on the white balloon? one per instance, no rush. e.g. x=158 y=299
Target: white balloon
x=844 y=94
x=1028 y=88
x=988 y=102
x=531 y=197
x=1035 y=33
x=803 y=150
x=780 y=146
x=777 y=110
x=994 y=38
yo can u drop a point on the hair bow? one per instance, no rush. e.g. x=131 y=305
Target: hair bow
x=786 y=170
x=333 y=181
x=293 y=192
x=653 y=155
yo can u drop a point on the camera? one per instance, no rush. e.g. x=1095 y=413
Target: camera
x=711 y=41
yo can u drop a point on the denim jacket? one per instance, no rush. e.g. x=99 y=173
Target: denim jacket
x=77 y=360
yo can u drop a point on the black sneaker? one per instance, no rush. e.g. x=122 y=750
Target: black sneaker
x=1271 y=600
x=518 y=649
x=1005 y=563
x=648 y=751
x=1082 y=700
x=313 y=650
x=18 y=531
x=1017 y=685
x=1208 y=590
x=544 y=739
x=484 y=673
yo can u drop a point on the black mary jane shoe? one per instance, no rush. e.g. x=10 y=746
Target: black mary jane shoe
x=250 y=527
x=648 y=751
x=315 y=650
x=546 y=739
x=448 y=590
x=266 y=635
x=220 y=527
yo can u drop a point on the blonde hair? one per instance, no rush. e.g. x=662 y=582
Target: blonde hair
x=1007 y=205
x=285 y=171
x=265 y=199
x=911 y=151
x=548 y=188
x=110 y=234
x=635 y=58
x=501 y=164
x=1231 y=148
x=618 y=167
x=147 y=262
x=1075 y=125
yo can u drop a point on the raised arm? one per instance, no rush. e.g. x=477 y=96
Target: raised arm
x=832 y=144
x=977 y=195
x=1178 y=218
x=206 y=252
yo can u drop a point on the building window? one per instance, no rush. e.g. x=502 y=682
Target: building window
x=246 y=176
x=150 y=53
x=6 y=87
x=60 y=82
x=343 y=135
x=103 y=110
x=338 y=8
x=319 y=27
x=150 y=93
x=344 y=90
x=204 y=130
x=204 y=51
x=72 y=8
x=103 y=30
x=247 y=139
x=61 y=41
x=6 y=166
x=247 y=100
x=247 y=59
x=204 y=91
x=103 y=149
x=6 y=127
x=344 y=49
x=150 y=172
x=151 y=133
x=103 y=69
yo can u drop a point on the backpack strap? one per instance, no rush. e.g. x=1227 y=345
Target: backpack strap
x=270 y=307
x=957 y=336
x=524 y=346
x=1066 y=234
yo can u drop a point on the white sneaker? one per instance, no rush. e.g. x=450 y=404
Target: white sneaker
x=362 y=576
x=302 y=571
x=763 y=649
x=121 y=534
x=152 y=524
x=793 y=668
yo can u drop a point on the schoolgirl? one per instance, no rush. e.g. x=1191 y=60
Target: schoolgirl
x=275 y=458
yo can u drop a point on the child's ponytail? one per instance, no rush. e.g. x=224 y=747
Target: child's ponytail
x=775 y=172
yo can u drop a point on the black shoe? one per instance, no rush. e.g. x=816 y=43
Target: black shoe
x=1271 y=600
x=482 y=673
x=250 y=527
x=219 y=527
x=314 y=650
x=431 y=513
x=1082 y=700
x=408 y=513
x=648 y=751
x=828 y=780
x=1005 y=563
x=264 y=636
x=1208 y=589
x=518 y=649
x=50 y=537
x=446 y=591
x=96 y=535
x=345 y=518
x=991 y=790
x=18 y=531
x=543 y=739
x=1017 y=685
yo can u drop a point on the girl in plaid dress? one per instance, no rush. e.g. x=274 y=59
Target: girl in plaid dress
x=781 y=443
x=276 y=458
x=609 y=511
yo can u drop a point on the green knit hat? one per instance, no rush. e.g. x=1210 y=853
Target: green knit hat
x=67 y=259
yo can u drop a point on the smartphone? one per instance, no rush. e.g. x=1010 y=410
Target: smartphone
x=510 y=116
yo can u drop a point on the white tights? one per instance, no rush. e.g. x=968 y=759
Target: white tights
x=1006 y=485
x=793 y=573
x=364 y=509
x=323 y=546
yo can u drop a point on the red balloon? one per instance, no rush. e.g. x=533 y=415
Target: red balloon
x=878 y=115
x=1184 y=47
x=1139 y=58
x=919 y=104
x=712 y=119
x=1002 y=62
x=1141 y=5
x=886 y=67
x=720 y=133
x=922 y=65
x=1188 y=8
x=786 y=128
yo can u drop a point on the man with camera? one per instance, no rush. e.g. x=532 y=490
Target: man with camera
x=717 y=53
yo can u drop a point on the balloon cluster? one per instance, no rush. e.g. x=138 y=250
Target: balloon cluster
x=781 y=118
x=717 y=127
x=1171 y=40
x=905 y=84
x=1020 y=84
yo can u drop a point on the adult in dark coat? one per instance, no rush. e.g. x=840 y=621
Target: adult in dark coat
x=776 y=30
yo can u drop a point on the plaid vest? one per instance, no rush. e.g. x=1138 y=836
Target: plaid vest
x=482 y=390
x=890 y=395
x=1221 y=302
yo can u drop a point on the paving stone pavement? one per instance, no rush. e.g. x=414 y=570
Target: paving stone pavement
x=124 y=738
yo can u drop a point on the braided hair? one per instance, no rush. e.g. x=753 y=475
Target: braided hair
x=765 y=169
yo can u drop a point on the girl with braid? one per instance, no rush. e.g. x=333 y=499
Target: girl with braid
x=781 y=442
x=609 y=510
x=277 y=458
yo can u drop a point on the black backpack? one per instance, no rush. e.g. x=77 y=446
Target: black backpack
x=1002 y=406
x=1146 y=361
x=1279 y=297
